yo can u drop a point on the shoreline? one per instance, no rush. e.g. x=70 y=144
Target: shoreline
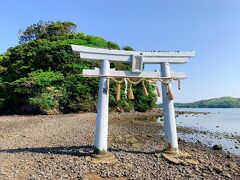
x=57 y=146
x=212 y=129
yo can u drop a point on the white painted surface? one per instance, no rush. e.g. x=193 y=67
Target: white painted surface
x=101 y=136
x=89 y=53
x=144 y=74
x=169 y=114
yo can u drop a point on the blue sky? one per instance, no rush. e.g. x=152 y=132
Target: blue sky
x=210 y=27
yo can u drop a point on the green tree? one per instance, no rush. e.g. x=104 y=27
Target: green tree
x=128 y=48
x=43 y=75
x=43 y=30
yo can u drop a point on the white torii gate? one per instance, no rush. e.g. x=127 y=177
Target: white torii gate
x=137 y=59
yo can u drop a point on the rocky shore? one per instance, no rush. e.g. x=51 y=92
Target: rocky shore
x=60 y=147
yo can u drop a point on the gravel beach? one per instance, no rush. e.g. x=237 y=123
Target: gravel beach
x=60 y=147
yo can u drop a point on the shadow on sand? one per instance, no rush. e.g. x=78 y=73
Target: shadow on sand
x=71 y=150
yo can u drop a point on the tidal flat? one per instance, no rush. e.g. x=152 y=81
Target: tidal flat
x=61 y=147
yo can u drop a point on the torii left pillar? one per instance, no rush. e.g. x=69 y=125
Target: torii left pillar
x=101 y=136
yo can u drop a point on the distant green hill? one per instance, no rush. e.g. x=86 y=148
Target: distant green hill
x=222 y=102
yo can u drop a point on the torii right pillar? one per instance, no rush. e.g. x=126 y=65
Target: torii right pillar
x=170 y=129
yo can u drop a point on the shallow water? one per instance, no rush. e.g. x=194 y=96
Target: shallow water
x=229 y=145
x=218 y=120
x=221 y=125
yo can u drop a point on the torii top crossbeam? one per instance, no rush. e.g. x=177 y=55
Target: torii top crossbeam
x=175 y=57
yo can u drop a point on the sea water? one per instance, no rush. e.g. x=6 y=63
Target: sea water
x=217 y=120
x=221 y=124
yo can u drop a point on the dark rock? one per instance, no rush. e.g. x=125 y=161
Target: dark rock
x=180 y=139
x=217 y=147
x=228 y=156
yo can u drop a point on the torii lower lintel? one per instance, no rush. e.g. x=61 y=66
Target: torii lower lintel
x=128 y=74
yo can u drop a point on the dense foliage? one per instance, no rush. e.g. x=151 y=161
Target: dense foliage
x=223 y=102
x=42 y=75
